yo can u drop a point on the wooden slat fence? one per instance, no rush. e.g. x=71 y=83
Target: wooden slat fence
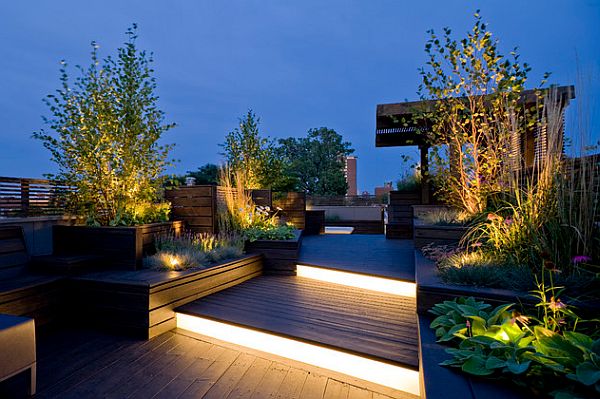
x=196 y=205
x=23 y=197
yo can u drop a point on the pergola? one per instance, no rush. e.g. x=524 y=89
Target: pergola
x=397 y=126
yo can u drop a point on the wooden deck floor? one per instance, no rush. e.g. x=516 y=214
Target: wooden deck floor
x=361 y=253
x=363 y=322
x=87 y=364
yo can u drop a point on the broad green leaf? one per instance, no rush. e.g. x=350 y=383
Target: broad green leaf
x=476 y=365
x=580 y=340
x=468 y=310
x=517 y=368
x=588 y=373
x=483 y=340
x=494 y=362
x=497 y=313
x=450 y=334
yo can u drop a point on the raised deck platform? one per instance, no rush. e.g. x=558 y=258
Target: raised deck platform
x=361 y=253
x=369 y=324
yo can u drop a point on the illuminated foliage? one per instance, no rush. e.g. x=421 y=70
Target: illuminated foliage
x=105 y=131
x=476 y=113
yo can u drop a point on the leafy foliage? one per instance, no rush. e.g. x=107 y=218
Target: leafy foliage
x=284 y=232
x=242 y=216
x=247 y=152
x=317 y=161
x=106 y=127
x=476 y=114
x=543 y=354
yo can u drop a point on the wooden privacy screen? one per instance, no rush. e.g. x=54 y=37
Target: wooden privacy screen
x=196 y=205
x=199 y=205
x=21 y=197
x=293 y=207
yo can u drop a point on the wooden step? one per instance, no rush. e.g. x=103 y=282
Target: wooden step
x=366 y=323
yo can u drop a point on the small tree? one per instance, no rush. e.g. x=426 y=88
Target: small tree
x=476 y=114
x=247 y=152
x=317 y=161
x=105 y=131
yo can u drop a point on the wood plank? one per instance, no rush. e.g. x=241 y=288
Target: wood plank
x=292 y=384
x=359 y=393
x=118 y=372
x=271 y=381
x=314 y=386
x=196 y=211
x=404 y=333
x=335 y=390
x=225 y=385
x=203 y=360
x=246 y=386
x=211 y=375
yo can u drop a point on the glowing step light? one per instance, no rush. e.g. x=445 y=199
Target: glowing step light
x=380 y=284
x=381 y=373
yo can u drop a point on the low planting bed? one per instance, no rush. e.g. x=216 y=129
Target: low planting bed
x=141 y=303
x=280 y=256
x=438 y=382
x=524 y=342
x=432 y=290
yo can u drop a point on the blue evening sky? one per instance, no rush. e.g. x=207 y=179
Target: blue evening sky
x=297 y=64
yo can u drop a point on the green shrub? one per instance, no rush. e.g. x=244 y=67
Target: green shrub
x=270 y=233
x=105 y=136
x=552 y=353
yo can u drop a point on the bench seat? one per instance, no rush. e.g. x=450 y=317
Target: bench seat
x=38 y=296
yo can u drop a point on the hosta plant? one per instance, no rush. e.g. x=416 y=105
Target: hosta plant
x=544 y=354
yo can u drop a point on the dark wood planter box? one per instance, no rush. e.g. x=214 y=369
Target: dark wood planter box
x=142 y=303
x=119 y=247
x=425 y=234
x=431 y=290
x=280 y=256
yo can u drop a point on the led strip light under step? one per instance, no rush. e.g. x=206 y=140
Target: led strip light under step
x=379 y=284
x=396 y=377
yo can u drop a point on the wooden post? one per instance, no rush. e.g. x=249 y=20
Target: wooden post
x=425 y=200
x=24 y=197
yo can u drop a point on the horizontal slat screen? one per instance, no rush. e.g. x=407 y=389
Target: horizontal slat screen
x=22 y=197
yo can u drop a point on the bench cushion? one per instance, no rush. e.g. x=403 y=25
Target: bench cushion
x=17 y=344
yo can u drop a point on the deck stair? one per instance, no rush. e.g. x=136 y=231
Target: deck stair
x=365 y=333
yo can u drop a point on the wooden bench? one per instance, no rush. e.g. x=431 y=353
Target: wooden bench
x=23 y=291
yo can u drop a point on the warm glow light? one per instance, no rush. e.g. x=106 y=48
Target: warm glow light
x=173 y=261
x=395 y=377
x=380 y=284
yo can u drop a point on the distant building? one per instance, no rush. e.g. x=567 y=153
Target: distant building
x=350 y=172
x=381 y=191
